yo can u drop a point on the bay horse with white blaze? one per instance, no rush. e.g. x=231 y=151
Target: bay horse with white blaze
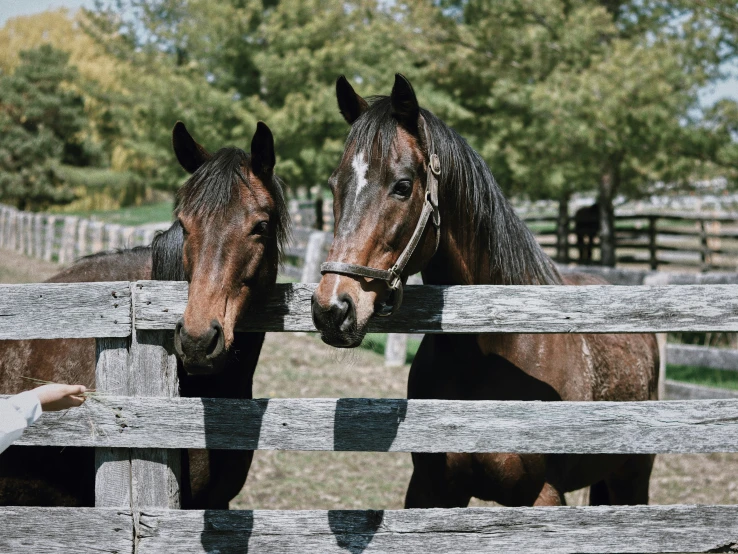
x=411 y=195
x=231 y=223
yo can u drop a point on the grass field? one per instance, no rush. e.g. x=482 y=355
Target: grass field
x=299 y=365
x=133 y=215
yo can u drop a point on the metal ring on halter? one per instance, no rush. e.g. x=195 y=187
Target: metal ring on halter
x=393 y=276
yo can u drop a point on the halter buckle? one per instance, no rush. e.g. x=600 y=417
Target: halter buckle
x=435 y=164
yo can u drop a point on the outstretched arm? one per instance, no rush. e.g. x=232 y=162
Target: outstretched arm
x=22 y=410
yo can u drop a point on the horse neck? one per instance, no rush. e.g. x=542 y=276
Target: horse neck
x=463 y=259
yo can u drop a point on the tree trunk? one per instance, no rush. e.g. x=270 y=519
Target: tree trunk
x=562 y=230
x=608 y=188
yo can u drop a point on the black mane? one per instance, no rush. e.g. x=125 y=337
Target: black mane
x=211 y=188
x=514 y=255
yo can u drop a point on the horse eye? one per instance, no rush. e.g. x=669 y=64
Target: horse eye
x=403 y=188
x=261 y=228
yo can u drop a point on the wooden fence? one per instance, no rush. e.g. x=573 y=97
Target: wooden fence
x=62 y=239
x=707 y=241
x=137 y=430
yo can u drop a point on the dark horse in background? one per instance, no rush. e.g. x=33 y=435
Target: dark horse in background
x=232 y=222
x=586 y=227
x=379 y=194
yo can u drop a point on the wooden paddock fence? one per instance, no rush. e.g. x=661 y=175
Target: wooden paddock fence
x=138 y=424
x=62 y=239
x=704 y=240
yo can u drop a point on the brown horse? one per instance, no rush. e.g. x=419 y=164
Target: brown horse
x=232 y=222
x=586 y=227
x=401 y=167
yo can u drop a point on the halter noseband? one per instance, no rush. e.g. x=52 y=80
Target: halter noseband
x=393 y=275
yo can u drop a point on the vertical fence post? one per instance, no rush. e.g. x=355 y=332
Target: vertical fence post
x=49 y=232
x=3 y=218
x=653 y=259
x=28 y=251
x=153 y=372
x=69 y=233
x=112 y=465
x=96 y=238
x=705 y=251
x=142 y=365
x=82 y=243
x=395 y=351
x=13 y=242
x=661 y=340
x=38 y=235
x=313 y=257
x=20 y=242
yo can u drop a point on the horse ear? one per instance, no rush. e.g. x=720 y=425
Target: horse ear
x=189 y=154
x=405 y=106
x=262 y=150
x=350 y=104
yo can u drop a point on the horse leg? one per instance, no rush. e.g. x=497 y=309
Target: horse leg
x=550 y=496
x=628 y=485
x=582 y=249
x=431 y=486
x=599 y=495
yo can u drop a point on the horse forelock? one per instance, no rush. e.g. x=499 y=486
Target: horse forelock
x=217 y=183
x=505 y=248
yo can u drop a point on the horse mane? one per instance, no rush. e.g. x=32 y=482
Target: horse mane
x=166 y=254
x=211 y=188
x=514 y=256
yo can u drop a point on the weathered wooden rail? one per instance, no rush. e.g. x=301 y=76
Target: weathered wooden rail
x=137 y=432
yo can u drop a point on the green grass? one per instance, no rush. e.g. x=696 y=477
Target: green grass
x=376 y=342
x=703 y=376
x=95 y=177
x=133 y=215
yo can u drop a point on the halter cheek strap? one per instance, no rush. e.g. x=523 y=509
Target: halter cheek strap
x=393 y=275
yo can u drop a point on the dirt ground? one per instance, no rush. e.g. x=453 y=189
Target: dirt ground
x=299 y=365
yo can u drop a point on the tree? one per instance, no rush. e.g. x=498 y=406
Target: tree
x=41 y=124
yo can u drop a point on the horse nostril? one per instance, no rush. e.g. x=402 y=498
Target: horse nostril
x=346 y=311
x=216 y=344
x=178 y=339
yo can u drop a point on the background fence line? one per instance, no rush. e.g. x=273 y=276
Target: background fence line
x=62 y=239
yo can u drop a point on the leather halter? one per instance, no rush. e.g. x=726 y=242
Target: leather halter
x=393 y=276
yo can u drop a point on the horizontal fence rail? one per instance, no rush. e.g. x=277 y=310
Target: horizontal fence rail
x=395 y=425
x=75 y=310
x=554 y=530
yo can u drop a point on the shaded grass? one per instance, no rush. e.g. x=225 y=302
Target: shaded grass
x=703 y=376
x=132 y=215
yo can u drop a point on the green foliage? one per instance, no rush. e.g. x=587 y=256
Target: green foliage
x=41 y=120
x=557 y=96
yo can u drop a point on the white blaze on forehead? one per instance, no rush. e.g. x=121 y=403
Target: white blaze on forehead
x=360 y=168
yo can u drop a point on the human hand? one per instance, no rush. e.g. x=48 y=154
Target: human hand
x=59 y=397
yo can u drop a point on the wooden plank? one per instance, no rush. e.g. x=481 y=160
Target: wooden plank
x=372 y=425
x=716 y=358
x=49 y=235
x=83 y=245
x=676 y=390
x=65 y=310
x=605 y=529
x=313 y=257
x=155 y=473
x=69 y=233
x=35 y=530
x=38 y=232
x=112 y=465
x=601 y=529
x=498 y=309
